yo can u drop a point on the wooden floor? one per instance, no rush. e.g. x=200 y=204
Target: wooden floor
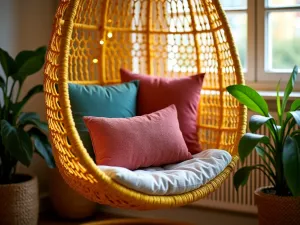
x=50 y=218
x=105 y=219
x=188 y=214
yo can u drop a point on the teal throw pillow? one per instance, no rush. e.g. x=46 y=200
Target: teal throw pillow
x=112 y=101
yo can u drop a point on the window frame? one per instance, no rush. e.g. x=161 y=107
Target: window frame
x=257 y=75
x=263 y=74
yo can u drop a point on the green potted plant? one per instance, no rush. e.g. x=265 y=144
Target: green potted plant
x=280 y=154
x=22 y=134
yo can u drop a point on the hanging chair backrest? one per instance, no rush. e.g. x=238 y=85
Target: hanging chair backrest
x=162 y=38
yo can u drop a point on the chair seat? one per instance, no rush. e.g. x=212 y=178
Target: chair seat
x=174 y=178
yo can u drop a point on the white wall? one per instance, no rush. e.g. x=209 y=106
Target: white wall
x=26 y=25
x=8 y=24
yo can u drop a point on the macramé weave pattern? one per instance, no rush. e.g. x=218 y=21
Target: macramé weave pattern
x=93 y=39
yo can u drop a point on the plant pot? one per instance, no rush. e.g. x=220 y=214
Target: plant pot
x=276 y=210
x=19 y=201
x=66 y=202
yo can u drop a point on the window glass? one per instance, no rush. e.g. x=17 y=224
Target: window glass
x=238 y=26
x=283 y=40
x=283 y=3
x=232 y=4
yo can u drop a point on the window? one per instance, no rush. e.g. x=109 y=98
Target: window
x=236 y=12
x=267 y=35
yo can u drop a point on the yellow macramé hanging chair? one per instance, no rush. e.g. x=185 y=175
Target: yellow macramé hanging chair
x=93 y=39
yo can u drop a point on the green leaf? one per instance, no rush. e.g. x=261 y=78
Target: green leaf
x=7 y=62
x=23 y=56
x=260 y=151
x=31 y=118
x=256 y=121
x=291 y=163
x=289 y=87
x=42 y=146
x=265 y=155
x=250 y=98
x=295 y=105
x=29 y=62
x=279 y=112
x=17 y=107
x=2 y=82
x=248 y=143
x=41 y=50
x=241 y=176
x=278 y=128
x=31 y=66
x=296 y=115
x=17 y=143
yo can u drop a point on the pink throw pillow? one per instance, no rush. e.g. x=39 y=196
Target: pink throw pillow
x=156 y=93
x=142 y=141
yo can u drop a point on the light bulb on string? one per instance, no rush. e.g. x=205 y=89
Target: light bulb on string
x=109 y=34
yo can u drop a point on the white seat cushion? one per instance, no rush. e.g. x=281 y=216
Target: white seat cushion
x=174 y=178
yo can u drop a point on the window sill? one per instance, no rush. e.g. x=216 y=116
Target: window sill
x=270 y=86
x=271 y=95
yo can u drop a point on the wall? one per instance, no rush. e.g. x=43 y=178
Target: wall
x=26 y=25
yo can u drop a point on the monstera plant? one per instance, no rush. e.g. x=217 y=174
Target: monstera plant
x=22 y=133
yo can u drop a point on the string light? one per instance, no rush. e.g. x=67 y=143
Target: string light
x=109 y=34
x=101 y=42
x=95 y=60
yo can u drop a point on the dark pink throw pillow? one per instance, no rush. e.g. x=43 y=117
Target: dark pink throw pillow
x=156 y=93
x=150 y=140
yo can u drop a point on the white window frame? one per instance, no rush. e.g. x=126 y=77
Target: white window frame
x=257 y=75
x=262 y=48
x=265 y=79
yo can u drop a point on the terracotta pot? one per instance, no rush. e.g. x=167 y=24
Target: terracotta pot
x=276 y=210
x=19 y=201
x=66 y=202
